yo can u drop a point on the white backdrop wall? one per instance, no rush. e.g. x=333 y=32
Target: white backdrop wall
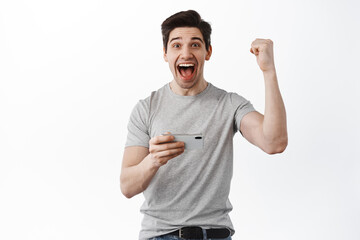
x=71 y=72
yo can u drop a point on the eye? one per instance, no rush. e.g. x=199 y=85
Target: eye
x=195 y=45
x=176 y=45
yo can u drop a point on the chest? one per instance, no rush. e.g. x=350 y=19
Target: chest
x=205 y=116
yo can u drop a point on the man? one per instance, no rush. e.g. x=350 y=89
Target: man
x=186 y=191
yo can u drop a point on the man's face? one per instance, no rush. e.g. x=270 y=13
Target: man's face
x=186 y=54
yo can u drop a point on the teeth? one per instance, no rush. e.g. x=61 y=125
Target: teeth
x=186 y=65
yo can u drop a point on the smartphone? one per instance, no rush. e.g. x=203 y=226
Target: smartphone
x=192 y=141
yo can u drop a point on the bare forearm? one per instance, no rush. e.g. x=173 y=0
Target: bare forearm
x=136 y=179
x=274 y=126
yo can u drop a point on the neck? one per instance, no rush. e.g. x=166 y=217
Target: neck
x=192 y=91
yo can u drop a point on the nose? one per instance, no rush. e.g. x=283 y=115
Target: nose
x=186 y=53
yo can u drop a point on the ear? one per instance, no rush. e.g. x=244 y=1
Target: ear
x=165 y=56
x=208 y=55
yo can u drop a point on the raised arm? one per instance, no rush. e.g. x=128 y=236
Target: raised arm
x=268 y=131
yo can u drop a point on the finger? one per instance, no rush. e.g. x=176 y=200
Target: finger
x=254 y=50
x=160 y=157
x=258 y=41
x=164 y=160
x=162 y=139
x=166 y=146
x=154 y=148
x=169 y=152
x=257 y=44
x=261 y=44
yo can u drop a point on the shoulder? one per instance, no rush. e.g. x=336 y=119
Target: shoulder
x=232 y=97
x=217 y=93
x=145 y=103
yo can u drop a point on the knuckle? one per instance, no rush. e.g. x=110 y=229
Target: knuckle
x=170 y=138
x=155 y=156
x=269 y=42
x=152 y=141
x=152 y=148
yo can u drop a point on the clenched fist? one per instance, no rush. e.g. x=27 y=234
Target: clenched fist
x=263 y=50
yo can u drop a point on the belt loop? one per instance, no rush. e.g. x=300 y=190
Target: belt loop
x=204 y=234
x=180 y=233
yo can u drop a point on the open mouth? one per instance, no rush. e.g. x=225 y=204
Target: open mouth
x=186 y=70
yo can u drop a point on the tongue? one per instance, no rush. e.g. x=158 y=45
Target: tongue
x=186 y=72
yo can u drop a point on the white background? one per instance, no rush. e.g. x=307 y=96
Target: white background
x=71 y=72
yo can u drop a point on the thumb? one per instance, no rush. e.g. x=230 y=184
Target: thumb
x=254 y=51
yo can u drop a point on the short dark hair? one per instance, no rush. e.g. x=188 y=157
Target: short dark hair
x=188 y=18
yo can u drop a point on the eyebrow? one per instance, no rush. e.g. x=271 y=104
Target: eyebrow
x=197 y=38
x=193 y=38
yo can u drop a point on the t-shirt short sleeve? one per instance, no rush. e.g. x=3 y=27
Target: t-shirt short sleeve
x=138 y=133
x=241 y=107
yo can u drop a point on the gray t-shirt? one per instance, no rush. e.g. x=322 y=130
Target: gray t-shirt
x=193 y=188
